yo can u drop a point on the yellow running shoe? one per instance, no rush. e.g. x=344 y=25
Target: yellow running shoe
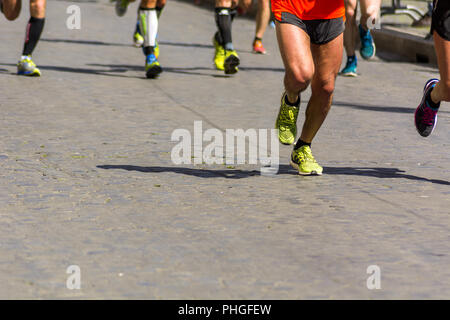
x=156 y=50
x=286 y=122
x=303 y=160
x=138 y=39
x=219 y=56
x=26 y=67
x=152 y=67
x=231 y=62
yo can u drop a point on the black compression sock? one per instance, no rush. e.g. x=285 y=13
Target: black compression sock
x=296 y=104
x=233 y=13
x=33 y=33
x=300 y=143
x=148 y=50
x=218 y=38
x=256 y=39
x=223 y=21
x=159 y=10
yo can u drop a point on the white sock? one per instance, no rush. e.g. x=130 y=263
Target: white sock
x=148 y=25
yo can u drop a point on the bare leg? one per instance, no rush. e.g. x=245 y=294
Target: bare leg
x=441 y=91
x=295 y=51
x=370 y=10
x=262 y=18
x=350 y=27
x=11 y=8
x=37 y=8
x=327 y=60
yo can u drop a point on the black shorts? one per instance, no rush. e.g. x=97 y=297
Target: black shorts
x=320 y=31
x=441 y=18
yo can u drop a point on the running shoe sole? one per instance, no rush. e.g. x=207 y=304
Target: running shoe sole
x=138 y=44
x=349 y=74
x=231 y=64
x=312 y=173
x=153 y=72
x=259 y=52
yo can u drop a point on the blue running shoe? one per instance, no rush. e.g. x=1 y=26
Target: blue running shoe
x=350 y=67
x=152 y=66
x=425 y=117
x=367 y=44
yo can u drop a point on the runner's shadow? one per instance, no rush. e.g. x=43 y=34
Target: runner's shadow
x=392 y=109
x=260 y=69
x=85 y=70
x=87 y=42
x=201 y=173
x=382 y=173
x=182 y=44
x=190 y=71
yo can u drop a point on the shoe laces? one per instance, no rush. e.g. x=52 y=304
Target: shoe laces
x=429 y=115
x=287 y=116
x=303 y=154
x=308 y=154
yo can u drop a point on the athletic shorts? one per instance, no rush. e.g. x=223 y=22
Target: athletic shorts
x=441 y=18
x=320 y=31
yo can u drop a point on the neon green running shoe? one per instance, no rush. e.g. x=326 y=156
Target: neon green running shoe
x=286 y=122
x=303 y=161
x=26 y=67
x=156 y=50
x=121 y=7
x=138 y=39
x=219 y=55
x=152 y=67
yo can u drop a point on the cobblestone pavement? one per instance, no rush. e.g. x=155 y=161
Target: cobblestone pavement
x=86 y=176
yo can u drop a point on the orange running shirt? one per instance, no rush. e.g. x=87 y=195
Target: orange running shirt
x=309 y=9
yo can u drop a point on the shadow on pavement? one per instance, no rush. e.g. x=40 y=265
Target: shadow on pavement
x=388 y=173
x=201 y=173
x=88 y=42
x=182 y=44
x=86 y=70
x=191 y=71
x=381 y=173
x=260 y=69
x=393 y=109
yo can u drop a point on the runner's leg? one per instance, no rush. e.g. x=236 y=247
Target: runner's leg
x=441 y=91
x=350 y=69
x=11 y=8
x=327 y=59
x=262 y=21
x=295 y=51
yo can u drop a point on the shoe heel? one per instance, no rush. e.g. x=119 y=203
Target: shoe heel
x=231 y=64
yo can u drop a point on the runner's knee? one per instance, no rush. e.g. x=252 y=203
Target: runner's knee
x=301 y=77
x=324 y=88
x=12 y=15
x=37 y=8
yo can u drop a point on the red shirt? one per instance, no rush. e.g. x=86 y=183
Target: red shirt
x=309 y=9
